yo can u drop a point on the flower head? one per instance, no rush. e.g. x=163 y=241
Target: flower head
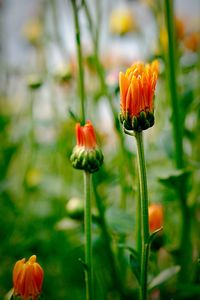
x=137 y=87
x=155 y=216
x=27 y=279
x=86 y=155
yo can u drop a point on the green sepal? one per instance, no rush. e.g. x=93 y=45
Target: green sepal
x=138 y=123
x=128 y=122
x=135 y=123
x=143 y=122
x=89 y=160
x=18 y=297
x=150 y=118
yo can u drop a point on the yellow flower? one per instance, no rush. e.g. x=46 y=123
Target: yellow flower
x=33 y=31
x=121 y=21
x=33 y=177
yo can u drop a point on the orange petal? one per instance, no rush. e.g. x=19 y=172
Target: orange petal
x=124 y=85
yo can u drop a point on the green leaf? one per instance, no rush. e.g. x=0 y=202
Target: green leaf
x=153 y=234
x=73 y=116
x=134 y=260
x=135 y=266
x=84 y=265
x=174 y=177
x=164 y=276
x=132 y=250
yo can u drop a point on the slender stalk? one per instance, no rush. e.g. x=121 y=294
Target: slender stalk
x=88 y=237
x=31 y=137
x=80 y=60
x=144 y=221
x=185 y=243
x=173 y=85
x=138 y=229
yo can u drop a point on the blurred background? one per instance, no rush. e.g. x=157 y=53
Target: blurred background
x=41 y=201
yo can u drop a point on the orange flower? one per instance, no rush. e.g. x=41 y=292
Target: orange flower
x=27 y=279
x=155 y=216
x=137 y=87
x=86 y=154
x=192 y=41
x=180 y=28
x=85 y=136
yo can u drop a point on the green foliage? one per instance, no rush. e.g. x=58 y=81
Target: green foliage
x=38 y=183
x=163 y=277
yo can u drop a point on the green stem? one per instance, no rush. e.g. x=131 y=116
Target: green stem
x=80 y=60
x=31 y=137
x=88 y=237
x=138 y=229
x=185 y=251
x=144 y=220
x=173 y=85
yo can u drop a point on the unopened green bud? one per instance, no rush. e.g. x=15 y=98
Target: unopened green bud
x=34 y=81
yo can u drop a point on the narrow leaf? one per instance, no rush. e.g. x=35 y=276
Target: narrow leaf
x=85 y=267
x=135 y=267
x=174 y=178
x=153 y=234
x=164 y=276
x=126 y=247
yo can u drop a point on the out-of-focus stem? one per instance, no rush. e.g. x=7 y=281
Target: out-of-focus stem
x=173 y=85
x=185 y=243
x=80 y=60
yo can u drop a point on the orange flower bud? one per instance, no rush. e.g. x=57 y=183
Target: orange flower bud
x=180 y=28
x=27 y=279
x=85 y=136
x=155 y=216
x=192 y=41
x=137 y=87
x=86 y=155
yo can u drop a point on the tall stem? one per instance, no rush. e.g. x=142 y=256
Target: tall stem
x=144 y=215
x=80 y=60
x=88 y=237
x=173 y=84
x=185 y=251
